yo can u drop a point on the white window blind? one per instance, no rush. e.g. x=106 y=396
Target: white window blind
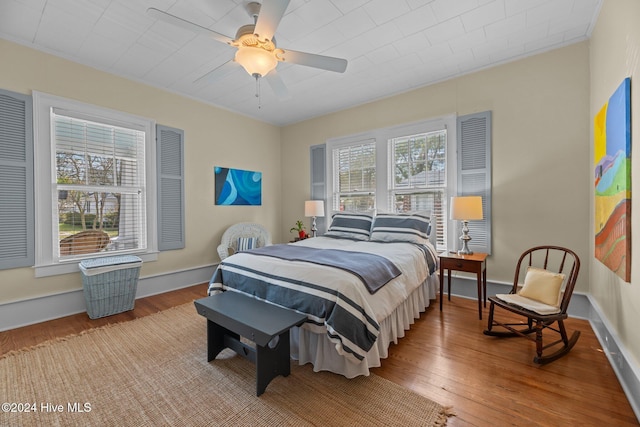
x=100 y=186
x=418 y=179
x=354 y=177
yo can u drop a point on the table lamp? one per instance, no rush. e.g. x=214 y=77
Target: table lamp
x=314 y=208
x=465 y=209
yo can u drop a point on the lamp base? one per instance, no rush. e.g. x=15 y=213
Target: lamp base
x=465 y=240
x=465 y=252
x=314 y=229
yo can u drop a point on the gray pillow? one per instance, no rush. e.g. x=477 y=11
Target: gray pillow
x=350 y=225
x=412 y=228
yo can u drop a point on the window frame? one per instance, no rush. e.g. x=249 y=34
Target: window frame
x=416 y=189
x=47 y=262
x=383 y=168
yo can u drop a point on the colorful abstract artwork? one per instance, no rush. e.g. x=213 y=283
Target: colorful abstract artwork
x=237 y=186
x=612 y=161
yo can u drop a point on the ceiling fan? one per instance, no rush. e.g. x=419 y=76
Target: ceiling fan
x=256 y=45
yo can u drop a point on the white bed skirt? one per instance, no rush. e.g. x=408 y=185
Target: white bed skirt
x=317 y=349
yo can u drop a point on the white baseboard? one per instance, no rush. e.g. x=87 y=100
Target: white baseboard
x=582 y=307
x=28 y=312
x=627 y=372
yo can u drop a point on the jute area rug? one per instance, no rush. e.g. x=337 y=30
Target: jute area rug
x=153 y=371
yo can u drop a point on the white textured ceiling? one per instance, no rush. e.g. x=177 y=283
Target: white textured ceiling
x=392 y=45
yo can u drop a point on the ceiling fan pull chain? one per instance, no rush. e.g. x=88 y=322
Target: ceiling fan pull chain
x=258 y=91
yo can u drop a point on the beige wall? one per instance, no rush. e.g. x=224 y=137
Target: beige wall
x=213 y=137
x=540 y=149
x=614 y=55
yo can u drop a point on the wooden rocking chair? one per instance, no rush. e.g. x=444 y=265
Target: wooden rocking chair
x=550 y=274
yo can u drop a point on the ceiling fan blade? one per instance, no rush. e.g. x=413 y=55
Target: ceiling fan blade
x=218 y=73
x=278 y=86
x=271 y=12
x=328 y=63
x=187 y=25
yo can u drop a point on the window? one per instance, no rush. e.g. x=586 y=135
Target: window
x=418 y=166
x=354 y=168
x=95 y=184
x=418 y=179
x=410 y=167
x=100 y=186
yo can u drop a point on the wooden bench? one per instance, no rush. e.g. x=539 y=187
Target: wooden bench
x=231 y=315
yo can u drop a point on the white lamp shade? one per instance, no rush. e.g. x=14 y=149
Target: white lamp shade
x=314 y=208
x=466 y=208
x=256 y=60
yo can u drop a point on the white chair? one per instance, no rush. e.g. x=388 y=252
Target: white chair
x=229 y=243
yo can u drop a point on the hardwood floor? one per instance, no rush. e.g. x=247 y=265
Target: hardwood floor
x=493 y=381
x=35 y=334
x=445 y=356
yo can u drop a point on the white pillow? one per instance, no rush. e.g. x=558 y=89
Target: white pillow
x=542 y=286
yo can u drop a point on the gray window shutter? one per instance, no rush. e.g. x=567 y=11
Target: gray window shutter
x=17 y=220
x=474 y=173
x=170 y=166
x=318 y=181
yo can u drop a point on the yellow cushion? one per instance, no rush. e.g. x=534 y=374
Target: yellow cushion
x=543 y=286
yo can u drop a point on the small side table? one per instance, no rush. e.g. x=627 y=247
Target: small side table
x=475 y=263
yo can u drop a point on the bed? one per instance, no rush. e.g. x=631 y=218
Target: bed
x=349 y=327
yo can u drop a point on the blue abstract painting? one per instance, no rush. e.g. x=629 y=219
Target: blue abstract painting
x=237 y=186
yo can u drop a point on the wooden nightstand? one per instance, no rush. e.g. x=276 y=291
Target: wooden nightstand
x=475 y=263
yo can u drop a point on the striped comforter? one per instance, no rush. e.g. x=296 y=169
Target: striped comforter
x=335 y=301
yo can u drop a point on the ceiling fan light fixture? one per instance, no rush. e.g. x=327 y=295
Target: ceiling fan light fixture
x=256 y=60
